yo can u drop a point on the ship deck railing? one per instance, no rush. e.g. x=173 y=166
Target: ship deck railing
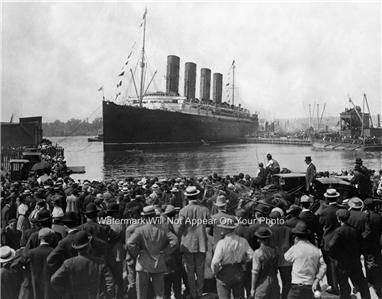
x=288 y=141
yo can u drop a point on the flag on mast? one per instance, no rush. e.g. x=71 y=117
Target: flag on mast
x=121 y=74
x=100 y=89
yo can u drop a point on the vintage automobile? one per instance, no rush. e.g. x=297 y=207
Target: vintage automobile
x=342 y=185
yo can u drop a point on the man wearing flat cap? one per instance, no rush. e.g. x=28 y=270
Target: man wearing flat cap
x=345 y=248
x=362 y=182
x=310 y=173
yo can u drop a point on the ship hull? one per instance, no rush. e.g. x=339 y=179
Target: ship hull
x=135 y=127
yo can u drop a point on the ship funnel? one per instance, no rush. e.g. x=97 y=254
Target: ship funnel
x=205 y=83
x=189 y=80
x=217 y=87
x=172 y=77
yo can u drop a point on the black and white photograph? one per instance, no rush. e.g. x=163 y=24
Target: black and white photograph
x=191 y=149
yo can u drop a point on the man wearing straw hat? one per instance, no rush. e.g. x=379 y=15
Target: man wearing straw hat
x=193 y=242
x=150 y=243
x=10 y=279
x=231 y=254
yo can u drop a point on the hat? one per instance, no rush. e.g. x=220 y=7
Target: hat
x=80 y=240
x=170 y=209
x=91 y=209
x=305 y=198
x=155 y=187
x=120 y=183
x=358 y=161
x=221 y=201
x=191 y=191
x=263 y=232
x=343 y=214
x=308 y=158
x=57 y=213
x=331 y=193
x=231 y=186
x=263 y=208
x=43 y=215
x=227 y=223
x=279 y=210
x=148 y=211
x=355 y=203
x=293 y=208
x=174 y=190
x=27 y=192
x=113 y=207
x=45 y=232
x=6 y=254
x=13 y=220
x=301 y=229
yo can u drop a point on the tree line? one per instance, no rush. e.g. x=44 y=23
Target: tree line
x=72 y=127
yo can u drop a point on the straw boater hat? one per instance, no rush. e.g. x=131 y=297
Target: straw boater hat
x=263 y=232
x=331 y=193
x=305 y=198
x=6 y=254
x=227 y=223
x=148 y=211
x=221 y=201
x=43 y=215
x=170 y=209
x=155 y=187
x=191 y=191
x=355 y=203
x=80 y=240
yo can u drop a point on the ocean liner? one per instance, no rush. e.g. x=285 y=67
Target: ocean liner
x=168 y=119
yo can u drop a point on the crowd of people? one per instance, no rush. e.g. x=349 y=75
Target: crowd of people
x=187 y=237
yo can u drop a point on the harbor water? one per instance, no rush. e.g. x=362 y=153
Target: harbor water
x=201 y=161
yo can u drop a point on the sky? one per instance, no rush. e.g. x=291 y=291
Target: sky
x=55 y=56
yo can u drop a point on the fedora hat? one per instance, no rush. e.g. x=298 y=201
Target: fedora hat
x=263 y=208
x=263 y=232
x=358 y=161
x=6 y=254
x=231 y=186
x=221 y=201
x=43 y=215
x=148 y=211
x=301 y=229
x=227 y=223
x=293 y=208
x=155 y=187
x=355 y=203
x=331 y=193
x=80 y=240
x=91 y=208
x=191 y=191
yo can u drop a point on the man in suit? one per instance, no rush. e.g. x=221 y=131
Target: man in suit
x=82 y=276
x=347 y=261
x=362 y=181
x=310 y=173
x=328 y=220
x=35 y=259
x=310 y=219
x=193 y=242
x=149 y=244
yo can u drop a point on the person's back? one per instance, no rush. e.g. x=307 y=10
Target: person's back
x=82 y=277
x=194 y=236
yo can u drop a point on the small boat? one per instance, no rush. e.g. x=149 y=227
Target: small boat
x=98 y=138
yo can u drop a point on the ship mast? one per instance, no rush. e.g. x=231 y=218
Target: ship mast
x=142 y=60
x=233 y=83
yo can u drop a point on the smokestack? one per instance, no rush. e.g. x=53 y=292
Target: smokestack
x=172 y=78
x=205 y=83
x=189 y=80
x=217 y=87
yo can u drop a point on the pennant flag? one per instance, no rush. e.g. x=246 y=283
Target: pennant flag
x=126 y=62
x=121 y=74
x=119 y=84
x=100 y=89
x=227 y=84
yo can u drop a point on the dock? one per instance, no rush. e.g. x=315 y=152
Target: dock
x=287 y=141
